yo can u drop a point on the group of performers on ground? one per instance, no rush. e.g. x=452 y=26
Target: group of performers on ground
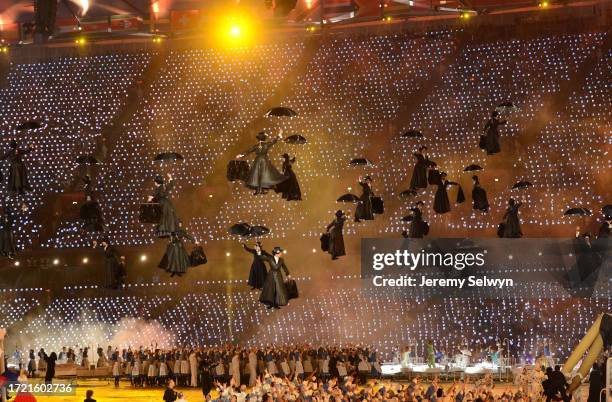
x=251 y=373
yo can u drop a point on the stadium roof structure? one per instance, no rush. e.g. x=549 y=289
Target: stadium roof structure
x=21 y=11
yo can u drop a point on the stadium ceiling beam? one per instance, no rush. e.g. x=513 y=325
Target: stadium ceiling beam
x=133 y=7
x=466 y=4
x=72 y=11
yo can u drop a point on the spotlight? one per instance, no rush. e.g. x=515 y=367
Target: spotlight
x=56 y=261
x=80 y=41
x=235 y=31
x=227 y=254
x=17 y=263
x=85 y=260
x=314 y=250
x=143 y=257
x=387 y=18
x=4 y=49
x=464 y=15
x=543 y=4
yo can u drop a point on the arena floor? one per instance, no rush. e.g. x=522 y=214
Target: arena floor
x=105 y=391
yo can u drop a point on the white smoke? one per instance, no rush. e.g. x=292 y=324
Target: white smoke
x=89 y=331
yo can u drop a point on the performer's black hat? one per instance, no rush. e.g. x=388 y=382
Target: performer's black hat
x=339 y=213
x=368 y=178
x=261 y=136
x=277 y=250
x=494 y=113
x=159 y=179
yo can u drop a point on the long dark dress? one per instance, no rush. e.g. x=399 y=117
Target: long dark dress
x=50 y=373
x=336 y=238
x=492 y=135
x=290 y=188
x=206 y=377
x=605 y=330
x=274 y=293
x=90 y=212
x=168 y=223
x=587 y=261
x=512 y=227
x=176 y=260
x=418 y=227
x=596 y=384
x=257 y=274
x=364 y=208
x=112 y=267
x=604 y=230
x=263 y=174
x=18 y=174
x=479 y=197
x=441 y=202
x=7 y=238
x=419 y=174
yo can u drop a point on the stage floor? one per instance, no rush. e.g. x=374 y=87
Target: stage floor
x=105 y=391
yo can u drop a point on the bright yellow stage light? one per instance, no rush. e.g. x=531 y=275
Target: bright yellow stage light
x=235 y=31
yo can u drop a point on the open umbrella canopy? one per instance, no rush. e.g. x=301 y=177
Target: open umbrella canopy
x=472 y=168
x=577 y=212
x=168 y=156
x=257 y=231
x=412 y=134
x=29 y=125
x=506 y=107
x=88 y=160
x=521 y=185
x=348 y=198
x=408 y=193
x=240 y=229
x=295 y=139
x=360 y=162
x=281 y=111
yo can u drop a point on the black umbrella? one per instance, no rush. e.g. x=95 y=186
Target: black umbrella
x=169 y=156
x=348 y=198
x=412 y=134
x=607 y=210
x=257 y=231
x=472 y=168
x=506 y=107
x=408 y=193
x=240 y=229
x=408 y=218
x=88 y=160
x=29 y=125
x=295 y=139
x=281 y=111
x=577 y=212
x=360 y=162
x=522 y=184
